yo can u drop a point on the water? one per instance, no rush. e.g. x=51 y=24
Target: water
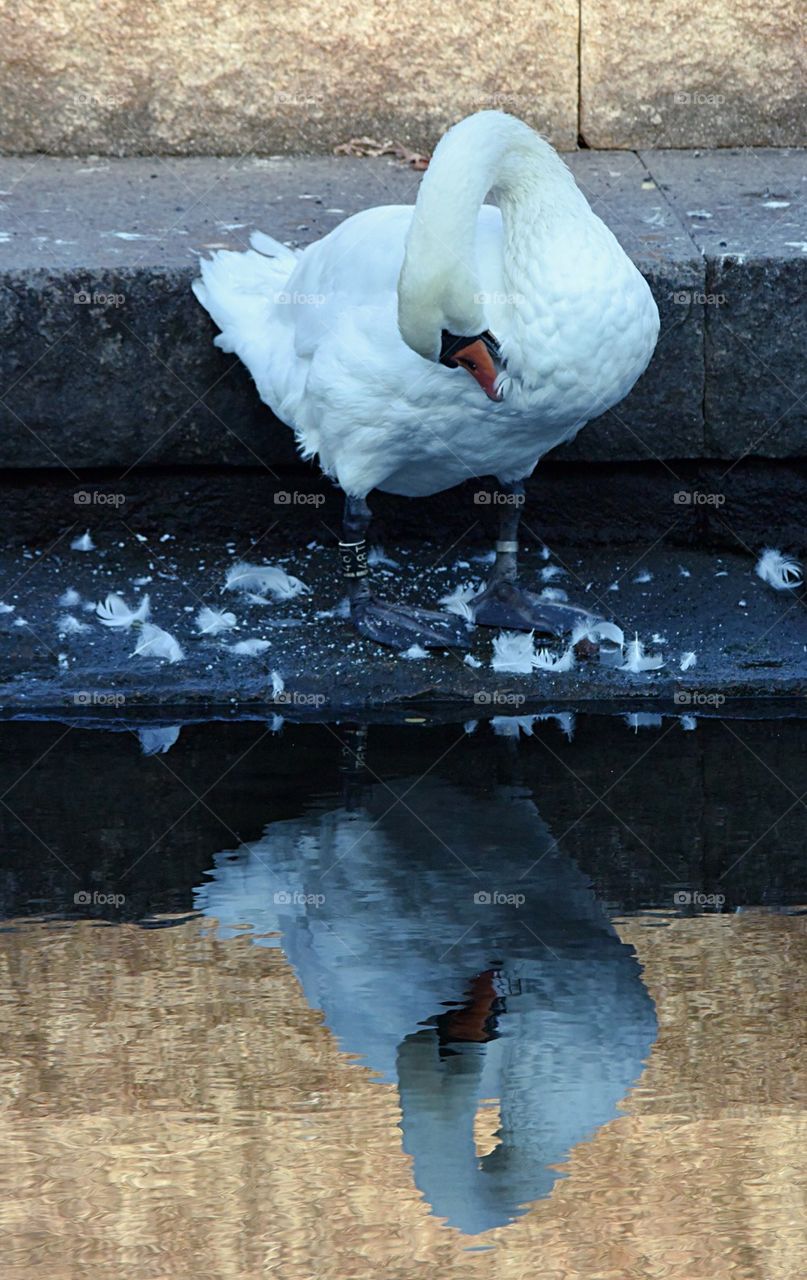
x=327 y=1002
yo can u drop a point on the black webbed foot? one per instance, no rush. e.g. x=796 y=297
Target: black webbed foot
x=399 y=626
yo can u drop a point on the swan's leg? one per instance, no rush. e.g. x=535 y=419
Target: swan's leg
x=392 y=624
x=504 y=603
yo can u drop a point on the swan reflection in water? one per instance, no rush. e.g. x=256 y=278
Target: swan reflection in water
x=465 y=959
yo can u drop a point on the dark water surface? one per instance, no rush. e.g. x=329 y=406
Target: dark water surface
x=317 y=1000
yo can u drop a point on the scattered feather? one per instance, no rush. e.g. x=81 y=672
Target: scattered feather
x=415 y=651
x=545 y=552
x=156 y=643
x=656 y=638
x=278 y=684
x=554 y=593
x=275 y=723
x=513 y=651
x=264 y=577
x=551 y=571
x=7 y=608
x=210 y=622
x=688 y=723
x=62 y=660
x=637 y=660
x=778 y=571
x=644 y=576
x=470 y=726
x=21 y=622
x=157 y=742
x=684 y=572
x=249 y=648
x=471 y=661
x=83 y=543
x=115 y=612
x=69 y=598
x=460 y=602
x=545 y=660
x=597 y=631
x=70 y=626
x=614 y=586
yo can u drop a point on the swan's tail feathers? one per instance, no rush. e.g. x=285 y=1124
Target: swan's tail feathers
x=272 y=248
x=239 y=291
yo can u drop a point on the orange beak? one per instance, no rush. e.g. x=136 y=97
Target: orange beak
x=482 y=365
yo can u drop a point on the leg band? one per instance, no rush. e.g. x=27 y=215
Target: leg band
x=353 y=559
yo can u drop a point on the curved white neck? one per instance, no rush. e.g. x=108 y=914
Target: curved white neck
x=487 y=152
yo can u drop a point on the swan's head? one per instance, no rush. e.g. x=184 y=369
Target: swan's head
x=480 y=356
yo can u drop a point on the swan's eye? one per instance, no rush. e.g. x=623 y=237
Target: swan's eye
x=470 y=365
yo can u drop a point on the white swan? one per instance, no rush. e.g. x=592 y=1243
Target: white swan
x=363 y=343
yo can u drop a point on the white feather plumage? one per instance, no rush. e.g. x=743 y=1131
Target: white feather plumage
x=153 y=642
x=688 y=660
x=545 y=660
x=778 y=571
x=211 y=622
x=278 y=684
x=513 y=651
x=249 y=648
x=70 y=626
x=83 y=543
x=460 y=601
x=69 y=598
x=415 y=651
x=115 y=612
x=258 y=578
x=637 y=660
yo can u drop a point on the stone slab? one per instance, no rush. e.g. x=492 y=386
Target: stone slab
x=746 y=211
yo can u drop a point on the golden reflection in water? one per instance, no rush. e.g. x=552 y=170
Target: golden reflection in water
x=171 y=1107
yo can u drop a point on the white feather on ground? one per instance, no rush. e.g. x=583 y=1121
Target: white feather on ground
x=7 y=608
x=688 y=660
x=211 y=622
x=513 y=651
x=157 y=742
x=471 y=661
x=278 y=684
x=69 y=598
x=778 y=571
x=249 y=648
x=415 y=651
x=554 y=593
x=597 y=631
x=545 y=660
x=70 y=626
x=644 y=576
x=258 y=578
x=637 y=660
x=460 y=601
x=115 y=612
x=156 y=643
x=551 y=571
x=83 y=543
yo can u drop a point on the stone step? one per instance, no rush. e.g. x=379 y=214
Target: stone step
x=107 y=359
